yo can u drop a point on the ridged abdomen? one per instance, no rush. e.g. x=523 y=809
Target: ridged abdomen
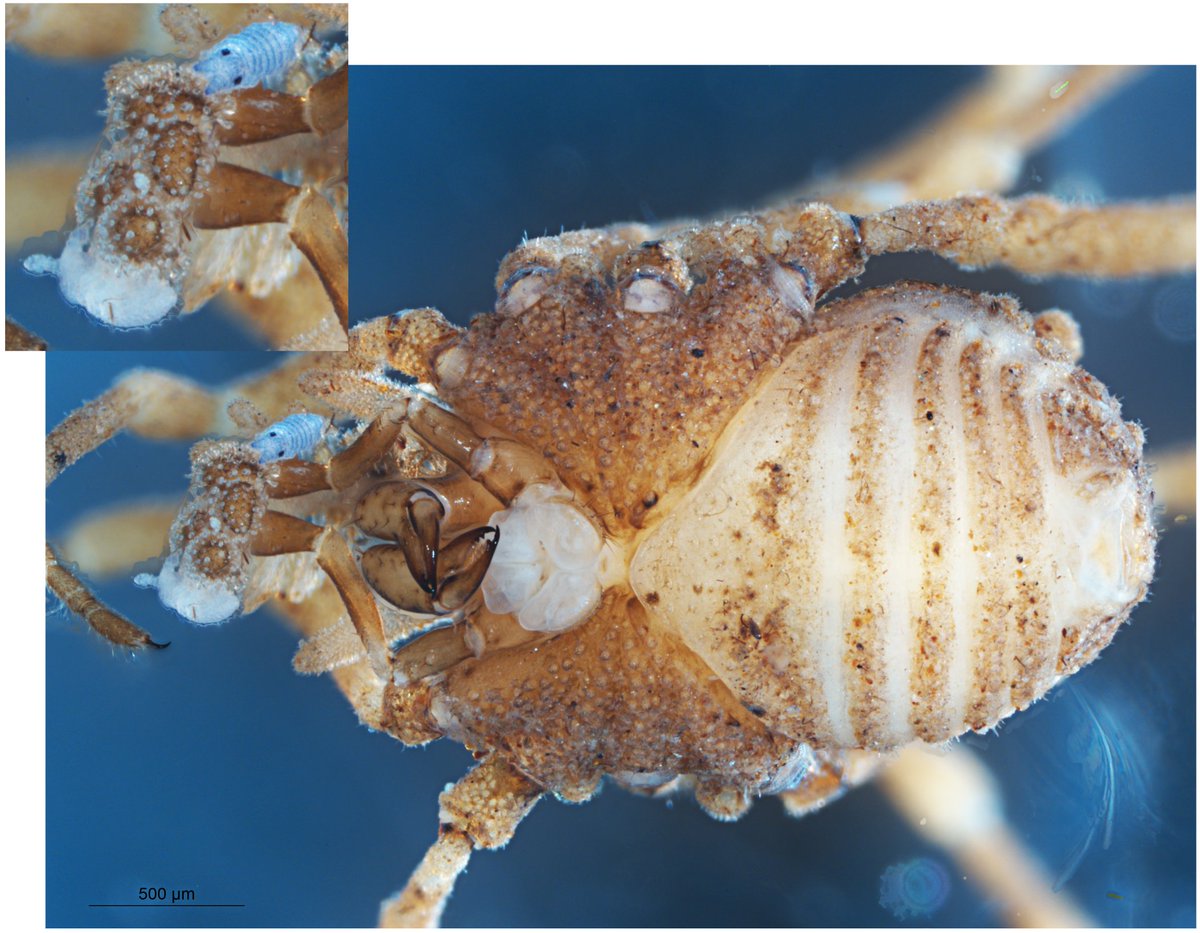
x=920 y=522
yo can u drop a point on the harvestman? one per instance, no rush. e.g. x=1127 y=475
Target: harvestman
x=793 y=254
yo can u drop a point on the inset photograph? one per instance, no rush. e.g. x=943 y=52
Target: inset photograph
x=177 y=176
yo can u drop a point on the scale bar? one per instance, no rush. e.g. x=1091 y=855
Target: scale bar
x=166 y=905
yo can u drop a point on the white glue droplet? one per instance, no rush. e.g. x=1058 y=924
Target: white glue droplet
x=116 y=293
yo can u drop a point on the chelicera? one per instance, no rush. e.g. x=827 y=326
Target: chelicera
x=740 y=299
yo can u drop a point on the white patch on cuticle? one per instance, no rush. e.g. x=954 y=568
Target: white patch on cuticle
x=199 y=599
x=114 y=291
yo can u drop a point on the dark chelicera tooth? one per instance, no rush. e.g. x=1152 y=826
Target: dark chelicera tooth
x=467 y=559
x=425 y=513
x=523 y=289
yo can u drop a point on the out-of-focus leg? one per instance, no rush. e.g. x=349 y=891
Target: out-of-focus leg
x=108 y=543
x=979 y=143
x=1173 y=473
x=39 y=190
x=148 y=402
x=952 y=800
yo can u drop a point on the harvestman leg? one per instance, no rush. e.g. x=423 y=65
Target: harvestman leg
x=17 y=337
x=481 y=811
x=952 y=800
x=978 y=143
x=1033 y=235
x=109 y=543
x=163 y=406
x=1038 y=235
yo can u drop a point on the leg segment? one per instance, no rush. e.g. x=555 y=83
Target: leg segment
x=1038 y=235
x=979 y=143
x=290 y=478
x=260 y=114
x=150 y=403
x=430 y=654
x=952 y=800
x=502 y=466
x=79 y=599
x=482 y=811
x=423 y=899
x=17 y=337
x=240 y=197
x=832 y=775
x=286 y=534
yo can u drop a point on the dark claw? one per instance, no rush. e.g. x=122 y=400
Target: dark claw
x=421 y=547
x=469 y=556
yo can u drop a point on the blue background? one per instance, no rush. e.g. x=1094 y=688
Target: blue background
x=211 y=766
